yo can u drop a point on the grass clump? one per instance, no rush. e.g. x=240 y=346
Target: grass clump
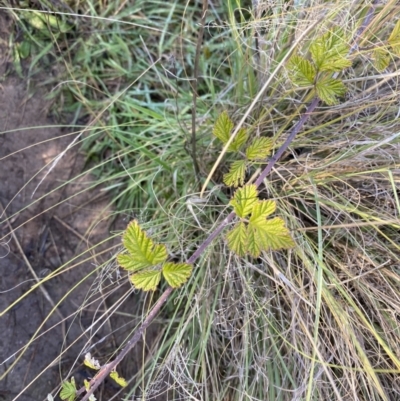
x=316 y=322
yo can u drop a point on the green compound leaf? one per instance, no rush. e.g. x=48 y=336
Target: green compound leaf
x=236 y=174
x=119 y=380
x=223 y=127
x=328 y=88
x=244 y=200
x=259 y=149
x=237 y=239
x=394 y=39
x=68 y=390
x=381 y=59
x=143 y=252
x=329 y=52
x=301 y=71
x=269 y=234
x=176 y=274
x=147 y=280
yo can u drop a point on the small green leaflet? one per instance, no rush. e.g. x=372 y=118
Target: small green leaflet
x=394 y=39
x=68 y=390
x=87 y=387
x=147 y=280
x=259 y=149
x=237 y=239
x=222 y=130
x=244 y=199
x=261 y=210
x=329 y=52
x=269 y=234
x=223 y=127
x=381 y=59
x=118 y=379
x=239 y=141
x=257 y=233
x=328 y=88
x=176 y=274
x=236 y=174
x=91 y=362
x=301 y=71
x=143 y=252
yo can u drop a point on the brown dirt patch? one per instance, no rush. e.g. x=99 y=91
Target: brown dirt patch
x=52 y=225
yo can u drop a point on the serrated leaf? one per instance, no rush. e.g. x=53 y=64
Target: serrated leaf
x=147 y=280
x=68 y=390
x=237 y=239
x=223 y=127
x=143 y=252
x=394 y=39
x=328 y=88
x=301 y=71
x=329 y=52
x=259 y=149
x=255 y=243
x=176 y=274
x=270 y=234
x=239 y=141
x=262 y=209
x=381 y=59
x=236 y=174
x=118 y=379
x=244 y=199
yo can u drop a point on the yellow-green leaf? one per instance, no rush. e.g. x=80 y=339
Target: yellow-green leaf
x=270 y=234
x=118 y=379
x=68 y=390
x=143 y=252
x=176 y=274
x=394 y=39
x=301 y=71
x=236 y=174
x=86 y=384
x=244 y=199
x=239 y=140
x=329 y=88
x=254 y=242
x=262 y=209
x=147 y=280
x=91 y=362
x=381 y=59
x=259 y=149
x=237 y=239
x=223 y=127
x=329 y=52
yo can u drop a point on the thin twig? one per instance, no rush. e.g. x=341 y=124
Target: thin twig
x=194 y=85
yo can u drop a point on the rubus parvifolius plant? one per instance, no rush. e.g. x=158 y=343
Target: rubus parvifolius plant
x=147 y=261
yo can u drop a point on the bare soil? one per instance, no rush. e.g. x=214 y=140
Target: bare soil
x=51 y=226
